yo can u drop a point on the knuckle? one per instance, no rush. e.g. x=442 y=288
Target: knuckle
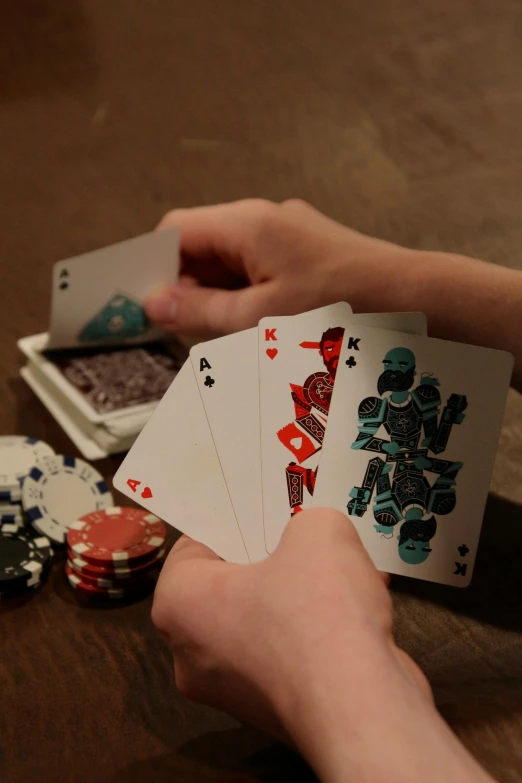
x=296 y=203
x=259 y=205
x=169 y=219
x=263 y=212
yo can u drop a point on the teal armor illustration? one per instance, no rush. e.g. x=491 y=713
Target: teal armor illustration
x=402 y=494
x=121 y=317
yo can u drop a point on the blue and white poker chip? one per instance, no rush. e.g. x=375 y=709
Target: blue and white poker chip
x=60 y=490
x=18 y=455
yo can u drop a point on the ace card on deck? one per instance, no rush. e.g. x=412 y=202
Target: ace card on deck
x=298 y=360
x=173 y=470
x=409 y=451
x=97 y=298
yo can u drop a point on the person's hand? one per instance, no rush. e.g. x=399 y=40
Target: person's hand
x=252 y=258
x=275 y=643
x=249 y=259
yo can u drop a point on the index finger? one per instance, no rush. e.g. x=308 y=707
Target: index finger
x=222 y=230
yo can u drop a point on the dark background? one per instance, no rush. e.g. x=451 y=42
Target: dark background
x=401 y=119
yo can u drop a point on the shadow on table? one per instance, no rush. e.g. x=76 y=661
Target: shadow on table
x=494 y=594
x=239 y=755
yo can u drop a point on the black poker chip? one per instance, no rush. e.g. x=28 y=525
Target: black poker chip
x=24 y=561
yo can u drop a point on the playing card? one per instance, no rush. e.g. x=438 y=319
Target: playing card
x=297 y=363
x=227 y=373
x=97 y=298
x=173 y=470
x=83 y=440
x=116 y=433
x=296 y=382
x=413 y=428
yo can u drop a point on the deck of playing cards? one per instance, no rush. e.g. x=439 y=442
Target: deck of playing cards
x=102 y=367
x=363 y=413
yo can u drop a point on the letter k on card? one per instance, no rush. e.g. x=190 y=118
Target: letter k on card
x=270 y=334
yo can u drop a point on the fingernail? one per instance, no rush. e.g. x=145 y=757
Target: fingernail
x=162 y=308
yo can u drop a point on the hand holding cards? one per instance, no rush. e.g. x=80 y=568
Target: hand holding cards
x=404 y=428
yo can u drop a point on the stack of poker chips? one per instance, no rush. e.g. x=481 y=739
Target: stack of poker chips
x=25 y=562
x=41 y=494
x=25 y=555
x=58 y=490
x=17 y=456
x=48 y=500
x=115 y=553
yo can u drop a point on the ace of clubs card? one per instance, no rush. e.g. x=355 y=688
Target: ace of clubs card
x=412 y=433
x=227 y=374
x=97 y=298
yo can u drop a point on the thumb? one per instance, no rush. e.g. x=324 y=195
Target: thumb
x=204 y=312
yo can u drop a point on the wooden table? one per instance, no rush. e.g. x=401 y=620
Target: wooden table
x=402 y=119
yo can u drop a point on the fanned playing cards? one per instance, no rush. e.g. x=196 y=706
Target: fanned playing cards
x=360 y=412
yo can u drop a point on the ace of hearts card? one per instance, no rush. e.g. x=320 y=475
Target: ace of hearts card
x=412 y=433
x=173 y=470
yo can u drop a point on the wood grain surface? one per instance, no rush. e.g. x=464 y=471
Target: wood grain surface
x=402 y=119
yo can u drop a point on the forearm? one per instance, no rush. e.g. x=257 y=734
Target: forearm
x=377 y=727
x=464 y=300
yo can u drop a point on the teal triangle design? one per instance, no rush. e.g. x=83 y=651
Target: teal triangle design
x=120 y=319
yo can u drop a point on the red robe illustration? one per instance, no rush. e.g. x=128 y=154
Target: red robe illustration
x=304 y=436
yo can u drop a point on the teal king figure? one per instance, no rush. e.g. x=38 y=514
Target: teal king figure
x=402 y=494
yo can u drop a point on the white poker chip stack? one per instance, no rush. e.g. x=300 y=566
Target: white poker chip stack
x=18 y=455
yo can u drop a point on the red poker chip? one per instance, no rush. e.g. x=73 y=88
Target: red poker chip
x=117 y=536
x=124 y=572
x=144 y=579
x=92 y=591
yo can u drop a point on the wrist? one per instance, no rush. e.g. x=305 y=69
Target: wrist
x=374 y=722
